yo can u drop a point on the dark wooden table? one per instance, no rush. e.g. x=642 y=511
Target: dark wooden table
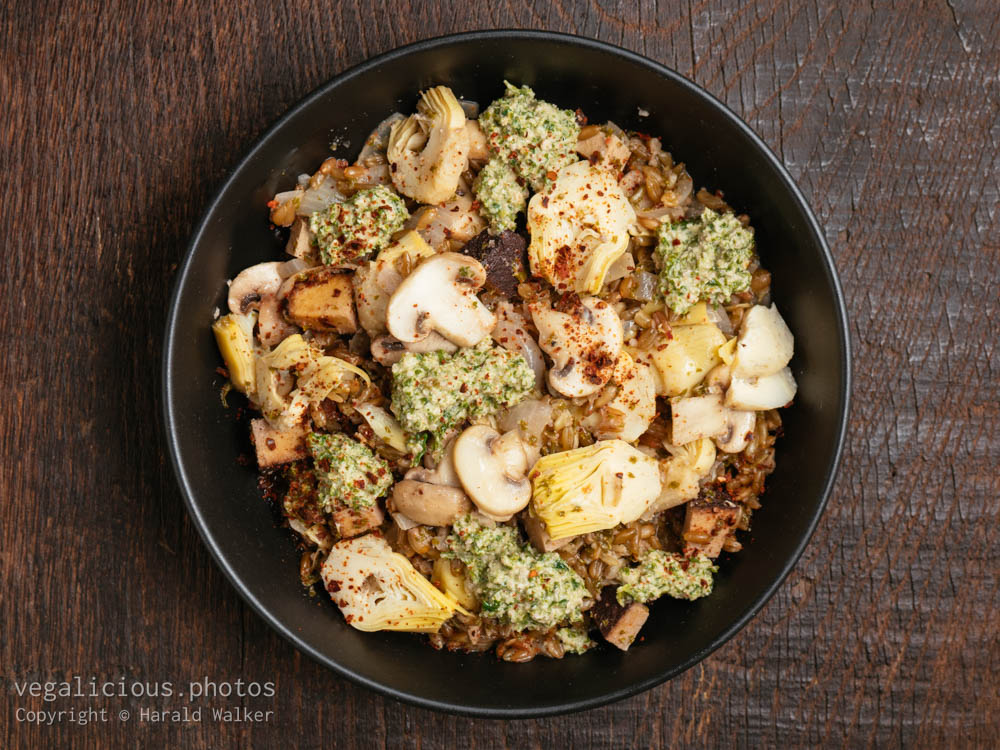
x=116 y=124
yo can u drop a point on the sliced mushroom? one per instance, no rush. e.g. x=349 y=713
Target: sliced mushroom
x=634 y=400
x=768 y=392
x=432 y=497
x=430 y=504
x=584 y=344
x=440 y=295
x=493 y=471
x=272 y=328
x=252 y=285
x=765 y=344
x=738 y=431
x=429 y=151
x=512 y=334
x=375 y=281
x=387 y=350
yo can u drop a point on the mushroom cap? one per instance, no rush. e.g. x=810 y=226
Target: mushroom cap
x=430 y=504
x=738 y=431
x=493 y=471
x=765 y=344
x=584 y=344
x=440 y=295
x=252 y=285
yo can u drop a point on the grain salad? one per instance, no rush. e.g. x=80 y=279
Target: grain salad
x=515 y=380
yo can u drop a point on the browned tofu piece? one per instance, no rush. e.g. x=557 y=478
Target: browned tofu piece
x=710 y=518
x=300 y=242
x=538 y=535
x=275 y=447
x=323 y=300
x=351 y=522
x=618 y=624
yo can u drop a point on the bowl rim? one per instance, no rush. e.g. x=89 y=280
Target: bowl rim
x=169 y=346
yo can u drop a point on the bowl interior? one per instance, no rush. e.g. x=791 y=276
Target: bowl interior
x=606 y=83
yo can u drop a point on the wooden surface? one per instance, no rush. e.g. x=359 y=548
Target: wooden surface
x=117 y=124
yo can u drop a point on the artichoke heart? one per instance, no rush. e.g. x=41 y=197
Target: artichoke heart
x=317 y=376
x=378 y=589
x=579 y=226
x=428 y=152
x=593 y=488
x=234 y=337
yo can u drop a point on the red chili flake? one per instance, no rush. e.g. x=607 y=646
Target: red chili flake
x=676 y=241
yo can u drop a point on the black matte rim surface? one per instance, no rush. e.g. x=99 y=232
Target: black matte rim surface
x=274 y=619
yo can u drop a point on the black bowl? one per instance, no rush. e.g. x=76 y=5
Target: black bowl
x=607 y=83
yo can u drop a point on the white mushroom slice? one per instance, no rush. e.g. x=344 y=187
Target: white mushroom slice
x=635 y=400
x=765 y=344
x=579 y=226
x=387 y=350
x=697 y=417
x=493 y=470
x=272 y=328
x=374 y=282
x=584 y=344
x=756 y=394
x=440 y=295
x=429 y=151
x=738 y=431
x=430 y=504
x=443 y=473
x=252 y=285
x=511 y=333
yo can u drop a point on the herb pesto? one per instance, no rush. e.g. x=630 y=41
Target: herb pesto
x=533 y=136
x=669 y=573
x=434 y=391
x=501 y=195
x=515 y=584
x=703 y=259
x=347 y=472
x=351 y=231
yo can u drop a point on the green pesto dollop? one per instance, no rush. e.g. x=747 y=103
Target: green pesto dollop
x=515 y=584
x=533 y=136
x=434 y=391
x=347 y=472
x=668 y=573
x=703 y=259
x=501 y=196
x=575 y=640
x=363 y=224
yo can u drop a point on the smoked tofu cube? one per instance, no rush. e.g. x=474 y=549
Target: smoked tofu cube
x=300 y=242
x=323 y=300
x=350 y=522
x=618 y=624
x=276 y=447
x=707 y=524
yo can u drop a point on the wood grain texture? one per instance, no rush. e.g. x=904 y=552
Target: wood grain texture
x=118 y=120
